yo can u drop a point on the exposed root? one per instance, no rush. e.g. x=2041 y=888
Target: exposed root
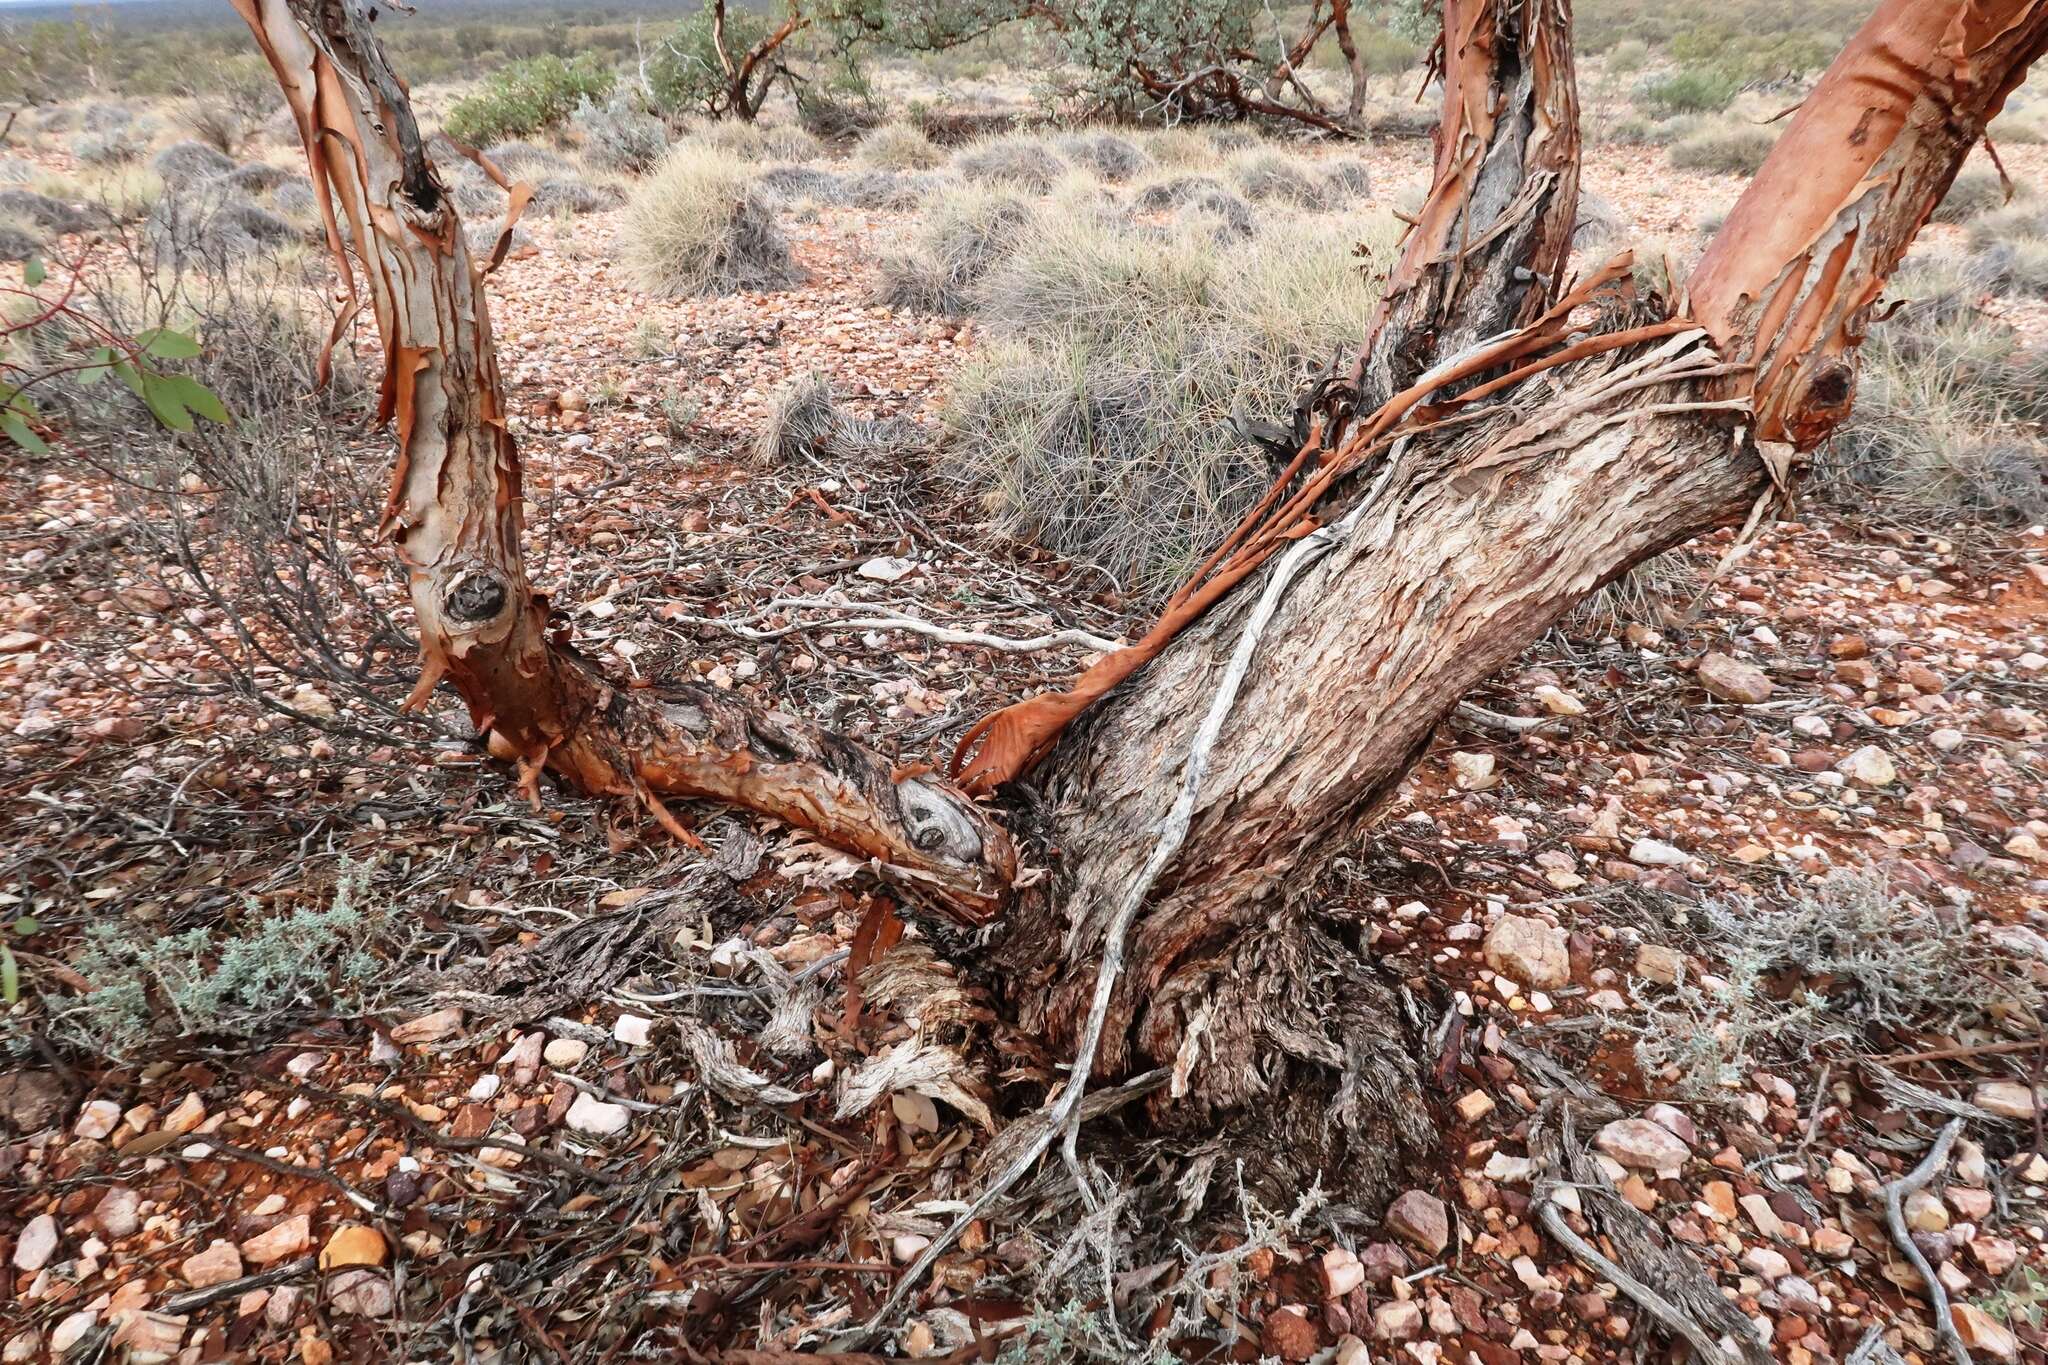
x=1664 y=1281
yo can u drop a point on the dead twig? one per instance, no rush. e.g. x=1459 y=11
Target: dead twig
x=1895 y=1195
x=195 y=1299
x=1649 y=1300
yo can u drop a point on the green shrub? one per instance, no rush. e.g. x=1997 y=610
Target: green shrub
x=528 y=97
x=1384 y=53
x=686 y=73
x=1725 y=148
x=698 y=225
x=243 y=984
x=1689 y=92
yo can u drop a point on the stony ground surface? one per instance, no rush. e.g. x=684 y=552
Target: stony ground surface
x=611 y=1093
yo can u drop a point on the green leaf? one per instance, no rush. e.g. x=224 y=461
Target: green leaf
x=126 y=372
x=196 y=396
x=17 y=431
x=10 y=975
x=163 y=400
x=32 y=272
x=28 y=924
x=165 y=344
x=102 y=365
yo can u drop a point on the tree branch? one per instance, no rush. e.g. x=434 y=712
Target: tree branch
x=454 y=513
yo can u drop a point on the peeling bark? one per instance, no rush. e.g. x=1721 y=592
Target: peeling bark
x=1789 y=281
x=1487 y=251
x=454 y=515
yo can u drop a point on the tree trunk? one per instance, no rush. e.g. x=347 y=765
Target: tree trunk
x=1459 y=547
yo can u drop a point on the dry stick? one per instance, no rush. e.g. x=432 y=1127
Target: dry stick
x=262 y=1279
x=1895 y=1218
x=890 y=620
x=1656 y=1305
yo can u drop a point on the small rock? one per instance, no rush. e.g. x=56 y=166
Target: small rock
x=190 y=1113
x=1762 y=1216
x=429 y=1028
x=1676 y=1119
x=218 y=1264
x=1642 y=1144
x=484 y=1087
x=1869 y=766
x=1288 y=1334
x=37 y=1243
x=1648 y=852
x=1559 y=702
x=1341 y=1272
x=565 y=1053
x=887 y=570
x=631 y=1030
x=283 y=1305
x=1382 y=1262
x=1995 y=1254
x=1397 y=1321
x=288 y=1238
x=1982 y=1332
x=1420 y=1217
x=1768 y=1264
x=1925 y=1212
x=1532 y=952
x=2007 y=1099
x=1655 y=962
x=1834 y=1244
x=594 y=1118
x=1473 y=772
x=96 y=1119
x=1474 y=1106
x=118 y=1214
x=364 y=1293
x=1732 y=680
x=353 y=1244
x=71 y=1331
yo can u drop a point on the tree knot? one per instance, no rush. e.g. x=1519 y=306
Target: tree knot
x=474 y=598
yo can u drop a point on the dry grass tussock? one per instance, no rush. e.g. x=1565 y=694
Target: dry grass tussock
x=700 y=225
x=1946 y=426
x=1101 y=418
x=961 y=237
x=897 y=147
x=1011 y=160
